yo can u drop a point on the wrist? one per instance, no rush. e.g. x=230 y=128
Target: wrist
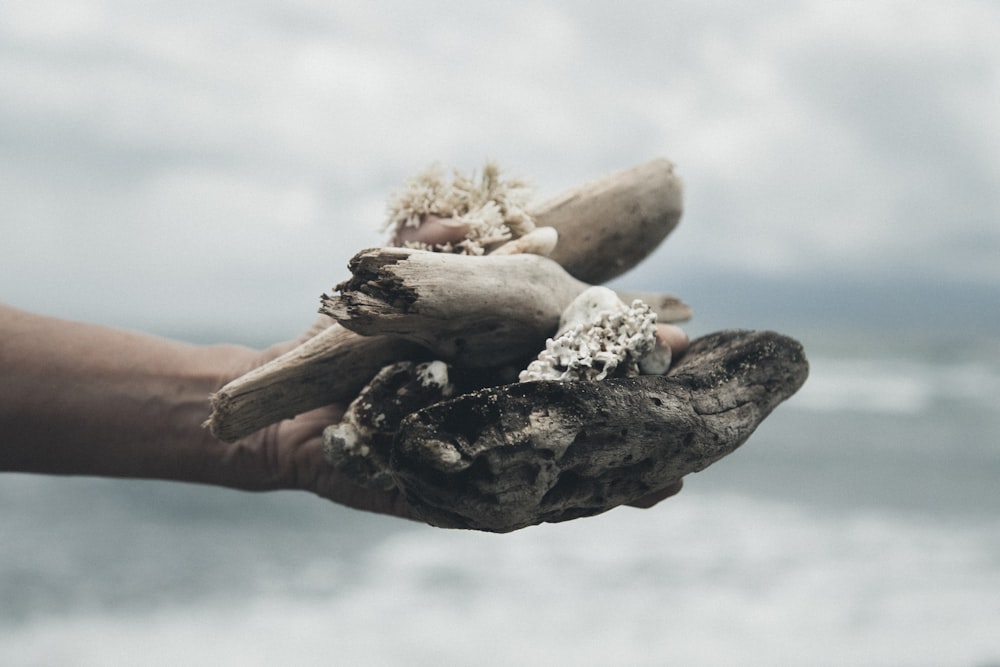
x=190 y=451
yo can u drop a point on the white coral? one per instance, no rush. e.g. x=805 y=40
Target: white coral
x=599 y=337
x=493 y=208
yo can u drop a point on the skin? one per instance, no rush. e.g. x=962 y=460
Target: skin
x=84 y=399
x=433 y=230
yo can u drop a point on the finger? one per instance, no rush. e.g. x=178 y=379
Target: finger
x=673 y=337
x=433 y=230
x=320 y=324
x=653 y=498
x=540 y=241
x=342 y=491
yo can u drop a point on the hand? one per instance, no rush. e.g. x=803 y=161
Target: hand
x=292 y=452
x=289 y=454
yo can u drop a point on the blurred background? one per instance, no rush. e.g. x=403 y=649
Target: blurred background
x=205 y=170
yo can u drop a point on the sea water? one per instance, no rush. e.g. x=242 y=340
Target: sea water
x=860 y=525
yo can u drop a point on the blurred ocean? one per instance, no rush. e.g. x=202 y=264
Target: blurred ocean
x=860 y=525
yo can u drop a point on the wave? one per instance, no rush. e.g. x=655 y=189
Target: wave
x=895 y=386
x=702 y=580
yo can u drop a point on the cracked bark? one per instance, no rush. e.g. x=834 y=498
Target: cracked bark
x=506 y=457
x=470 y=311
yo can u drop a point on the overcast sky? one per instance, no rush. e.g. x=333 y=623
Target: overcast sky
x=193 y=166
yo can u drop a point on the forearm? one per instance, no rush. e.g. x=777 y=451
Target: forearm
x=82 y=399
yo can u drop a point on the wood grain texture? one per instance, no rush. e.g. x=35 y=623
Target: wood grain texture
x=609 y=225
x=469 y=311
x=506 y=457
x=331 y=367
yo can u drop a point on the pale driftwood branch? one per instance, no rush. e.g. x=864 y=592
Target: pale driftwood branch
x=611 y=224
x=470 y=311
x=331 y=367
x=512 y=456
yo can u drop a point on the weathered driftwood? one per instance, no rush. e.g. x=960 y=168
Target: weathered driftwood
x=331 y=367
x=471 y=311
x=605 y=228
x=461 y=325
x=361 y=443
x=507 y=457
x=611 y=224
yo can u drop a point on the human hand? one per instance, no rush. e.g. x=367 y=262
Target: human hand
x=289 y=454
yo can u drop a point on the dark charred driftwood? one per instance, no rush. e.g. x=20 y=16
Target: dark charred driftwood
x=506 y=457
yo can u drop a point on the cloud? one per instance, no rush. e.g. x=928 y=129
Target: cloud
x=833 y=137
x=170 y=146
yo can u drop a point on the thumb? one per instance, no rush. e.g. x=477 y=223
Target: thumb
x=320 y=324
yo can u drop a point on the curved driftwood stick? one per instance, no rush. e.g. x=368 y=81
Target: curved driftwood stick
x=331 y=367
x=611 y=224
x=605 y=227
x=470 y=311
x=512 y=456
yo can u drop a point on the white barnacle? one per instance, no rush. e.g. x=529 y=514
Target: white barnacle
x=599 y=336
x=434 y=374
x=348 y=437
